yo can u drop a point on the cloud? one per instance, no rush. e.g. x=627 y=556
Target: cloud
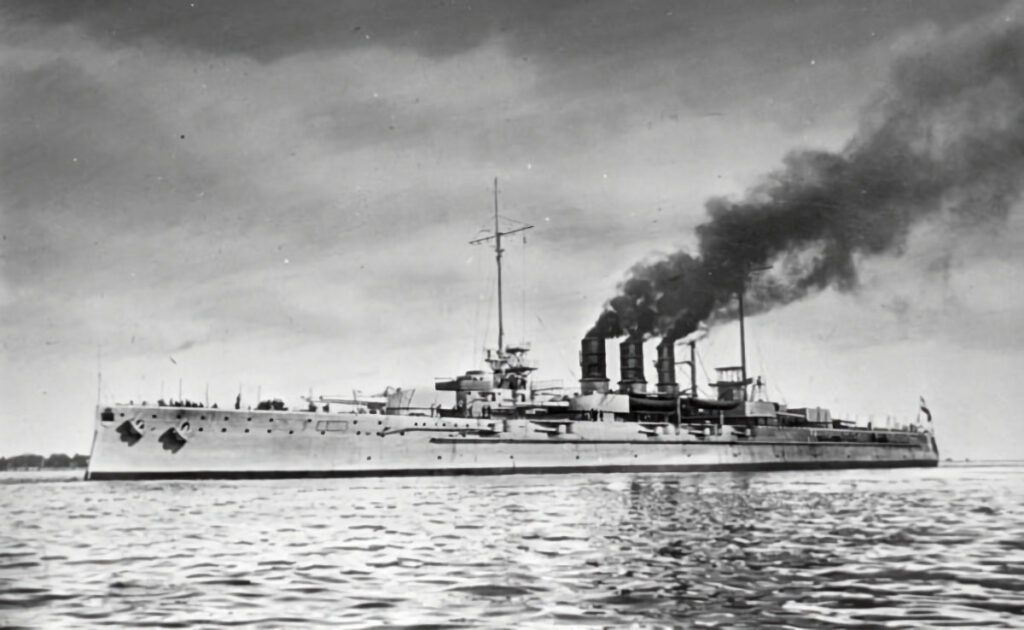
x=262 y=181
x=267 y=30
x=945 y=139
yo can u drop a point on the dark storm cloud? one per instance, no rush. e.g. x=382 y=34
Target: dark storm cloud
x=270 y=29
x=86 y=137
x=81 y=167
x=945 y=137
x=100 y=175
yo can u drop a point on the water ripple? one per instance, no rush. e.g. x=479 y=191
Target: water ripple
x=903 y=548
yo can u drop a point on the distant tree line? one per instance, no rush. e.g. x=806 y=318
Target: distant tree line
x=32 y=461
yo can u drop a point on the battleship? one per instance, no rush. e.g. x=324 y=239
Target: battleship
x=501 y=422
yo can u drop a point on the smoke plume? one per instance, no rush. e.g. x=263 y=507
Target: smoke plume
x=945 y=138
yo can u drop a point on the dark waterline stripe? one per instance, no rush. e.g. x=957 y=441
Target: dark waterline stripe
x=656 y=442
x=532 y=470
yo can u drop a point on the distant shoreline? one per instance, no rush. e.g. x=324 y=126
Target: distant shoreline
x=33 y=462
x=980 y=462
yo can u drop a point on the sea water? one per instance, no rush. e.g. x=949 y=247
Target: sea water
x=892 y=548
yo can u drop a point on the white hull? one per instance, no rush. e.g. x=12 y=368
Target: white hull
x=169 y=442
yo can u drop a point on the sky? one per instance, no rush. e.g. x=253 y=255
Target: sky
x=277 y=198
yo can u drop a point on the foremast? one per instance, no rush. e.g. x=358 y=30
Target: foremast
x=507 y=393
x=509 y=366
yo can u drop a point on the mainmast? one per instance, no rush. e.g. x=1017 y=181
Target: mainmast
x=743 y=344
x=743 y=336
x=497 y=256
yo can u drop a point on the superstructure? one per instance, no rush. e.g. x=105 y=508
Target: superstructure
x=500 y=423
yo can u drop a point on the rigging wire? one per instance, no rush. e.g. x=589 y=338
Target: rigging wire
x=480 y=333
x=764 y=372
x=703 y=366
x=476 y=322
x=523 y=321
x=492 y=297
x=511 y=220
x=547 y=339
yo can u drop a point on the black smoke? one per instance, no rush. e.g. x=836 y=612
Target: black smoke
x=944 y=139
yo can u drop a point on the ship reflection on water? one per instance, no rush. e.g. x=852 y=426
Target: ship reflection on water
x=922 y=547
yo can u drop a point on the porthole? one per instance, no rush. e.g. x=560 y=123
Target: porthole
x=200 y=429
x=290 y=432
x=247 y=430
x=248 y=419
x=368 y=458
x=224 y=430
x=511 y=456
x=122 y=414
x=399 y=433
x=225 y=418
x=309 y=419
x=178 y=417
x=154 y=415
x=269 y=430
x=439 y=457
x=355 y=422
x=323 y=433
x=202 y=417
x=380 y=422
x=271 y=419
x=359 y=432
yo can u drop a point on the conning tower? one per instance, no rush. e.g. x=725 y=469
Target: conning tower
x=731 y=383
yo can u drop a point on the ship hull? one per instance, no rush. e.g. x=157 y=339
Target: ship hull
x=134 y=442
